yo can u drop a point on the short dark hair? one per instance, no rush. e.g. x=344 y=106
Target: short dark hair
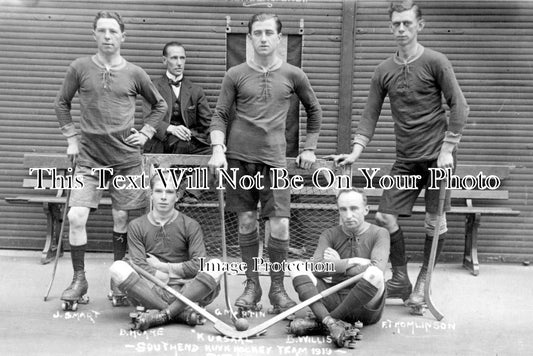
x=263 y=17
x=172 y=44
x=109 y=15
x=157 y=178
x=355 y=190
x=405 y=5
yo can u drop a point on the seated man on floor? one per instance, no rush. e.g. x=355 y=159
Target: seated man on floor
x=353 y=247
x=168 y=244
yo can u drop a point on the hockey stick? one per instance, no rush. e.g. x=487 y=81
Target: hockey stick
x=259 y=329
x=60 y=238
x=227 y=330
x=219 y=325
x=433 y=254
x=240 y=323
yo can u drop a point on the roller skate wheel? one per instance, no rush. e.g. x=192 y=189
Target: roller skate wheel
x=351 y=333
x=114 y=301
x=351 y=345
x=358 y=325
x=291 y=317
x=358 y=337
x=84 y=300
x=417 y=310
x=64 y=306
x=74 y=307
x=110 y=295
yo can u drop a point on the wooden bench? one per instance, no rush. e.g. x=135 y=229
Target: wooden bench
x=470 y=203
x=52 y=200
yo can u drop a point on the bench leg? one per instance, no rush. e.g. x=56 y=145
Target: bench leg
x=470 y=260
x=53 y=225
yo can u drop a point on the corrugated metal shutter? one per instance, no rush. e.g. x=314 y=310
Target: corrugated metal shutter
x=40 y=38
x=490 y=44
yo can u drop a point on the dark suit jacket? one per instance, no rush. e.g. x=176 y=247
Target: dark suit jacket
x=194 y=110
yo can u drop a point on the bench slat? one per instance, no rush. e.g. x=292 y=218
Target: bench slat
x=456 y=193
x=29 y=198
x=384 y=168
x=419 y=209
x=46 y=160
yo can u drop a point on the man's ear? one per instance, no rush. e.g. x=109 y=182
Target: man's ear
x=421 y=24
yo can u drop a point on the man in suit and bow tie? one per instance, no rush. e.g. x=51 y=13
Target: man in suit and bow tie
x=185 y=126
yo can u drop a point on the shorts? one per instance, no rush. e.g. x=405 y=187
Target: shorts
x=274 y=203
x=367 y=316
x=122 y=196
x=401 y=201
x=170 y=298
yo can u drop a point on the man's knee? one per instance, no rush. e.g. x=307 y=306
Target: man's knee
x=247 y=222
x=214 y=268
x=430 y=224
x=279 y=228
x=77 y=217
x=388 y=221
x=120 y=220
x=120 y=271
x=374 y=276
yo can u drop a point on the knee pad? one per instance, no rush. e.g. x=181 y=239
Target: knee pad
x=297 y=268
x=374 y=276
x=215 y=269
x=247 y=222
x=120 y=271
x=279 y=228
x=388 y=221
x=431 y=221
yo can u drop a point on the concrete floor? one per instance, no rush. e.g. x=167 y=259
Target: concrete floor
x=491 y=314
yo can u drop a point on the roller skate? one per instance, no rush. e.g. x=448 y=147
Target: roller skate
x=116 y=296
x=190 y=317
x=143 y=319
x=279 y=299
x=249 y=301
x=417 y=300
x=399 y=285
x=353 y=334
x=342 y=333
x=76 y=293
x=305 y=326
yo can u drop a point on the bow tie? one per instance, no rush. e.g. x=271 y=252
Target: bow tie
x=175 y=83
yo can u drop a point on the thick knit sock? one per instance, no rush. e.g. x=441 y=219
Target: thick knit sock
x=195 y=290
x=352 y=306
x=427 y=248
x=249 y=244
x=120 y=245
x=278 y=251
x=77 y=254
x=397 y=248
x=139 y=290
x=306 y=289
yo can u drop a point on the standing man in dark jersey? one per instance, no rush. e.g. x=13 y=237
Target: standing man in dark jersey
x=107 y=87
x=415 y=79
x=260 y=90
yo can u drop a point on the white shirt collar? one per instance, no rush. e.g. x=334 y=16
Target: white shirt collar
x=173 y=77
